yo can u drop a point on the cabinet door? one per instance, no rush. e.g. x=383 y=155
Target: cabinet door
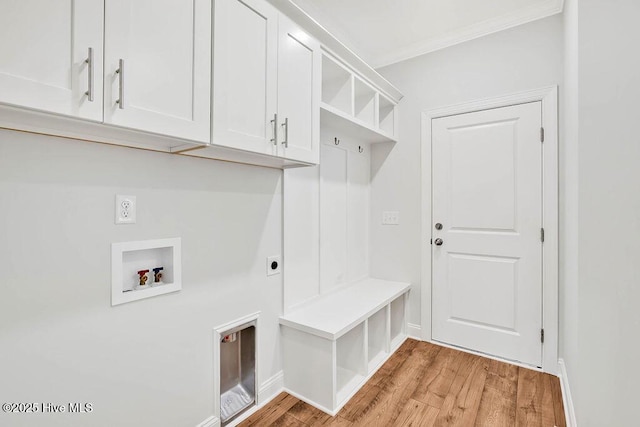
x=245 y=75
x=43 y=53
x=298 y=93
x=165 y=51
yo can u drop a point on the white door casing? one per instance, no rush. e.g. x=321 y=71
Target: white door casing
x=166 y=83
x=42 y=58
x=245 y=75
x=487 y=257
x=549 y=217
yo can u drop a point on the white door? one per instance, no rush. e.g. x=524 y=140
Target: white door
x=487 y=256
x=164 y=48
x=43 y=51
x=299 y=71
x=245 y=75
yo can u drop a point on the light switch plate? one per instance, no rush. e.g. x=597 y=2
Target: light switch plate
x=390 y=218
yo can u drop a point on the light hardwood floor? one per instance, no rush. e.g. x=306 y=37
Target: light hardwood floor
x=427 y=385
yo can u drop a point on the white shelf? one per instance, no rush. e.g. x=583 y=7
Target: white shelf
x=336 y=120
x=352 y=107
x=331 y=316
x=127 y=258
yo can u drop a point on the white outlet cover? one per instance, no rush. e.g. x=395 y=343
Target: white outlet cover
x=278 y=268
x=125 y=209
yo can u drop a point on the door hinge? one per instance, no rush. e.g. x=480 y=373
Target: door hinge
x=542 y=235
x=542 y=335
x=541 y=134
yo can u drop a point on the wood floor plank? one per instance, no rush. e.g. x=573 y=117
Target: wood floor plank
x=460 y=407
x=271 y=412
x=437 y=381
x=498 y=403
x=558 y=405
x=416 y=413
x=534 y=399
x=397 y=391
x=465 y=390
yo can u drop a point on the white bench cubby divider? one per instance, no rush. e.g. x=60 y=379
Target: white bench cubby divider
x=333 y=344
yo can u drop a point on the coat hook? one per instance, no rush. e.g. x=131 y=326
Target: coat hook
x=336 y=141
x=360 y=149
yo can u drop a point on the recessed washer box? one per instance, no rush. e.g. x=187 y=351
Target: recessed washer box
x=127 y=258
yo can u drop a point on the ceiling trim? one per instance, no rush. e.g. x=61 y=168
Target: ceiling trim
x=490 y=26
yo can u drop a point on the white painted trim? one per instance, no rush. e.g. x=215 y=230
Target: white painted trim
x=471 y=32
x=414 y=331
x=549 y=98
x=567 y=400
x=212 y=421
x=271 y=388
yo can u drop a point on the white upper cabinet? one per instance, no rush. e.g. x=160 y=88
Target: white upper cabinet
x=245 y=75
x=44 y=52
x=266 y=82
x=158 y=66
x=299 y=68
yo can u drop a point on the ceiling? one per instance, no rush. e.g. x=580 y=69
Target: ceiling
x=384 y=32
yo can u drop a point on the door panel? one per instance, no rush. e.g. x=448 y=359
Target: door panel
x=298 y=92
x=166 y=48
x=487 y=194
x=245 y=74
x=42 y=63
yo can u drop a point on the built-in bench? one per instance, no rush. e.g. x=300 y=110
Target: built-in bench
x=335 y=343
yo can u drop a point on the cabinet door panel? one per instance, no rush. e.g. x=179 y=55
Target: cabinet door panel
x=42 y=58
x=166 y=48
x=245 y=74
x=298 y=92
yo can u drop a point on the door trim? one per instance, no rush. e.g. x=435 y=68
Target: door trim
x=549 y=98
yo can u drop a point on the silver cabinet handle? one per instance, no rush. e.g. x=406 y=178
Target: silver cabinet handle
x=120 y=73
x=89 y=62
x=285 y=125
x=274 y=140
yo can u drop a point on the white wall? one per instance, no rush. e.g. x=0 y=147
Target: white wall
x=522 y=58
x=142 y=363
x=609 y=214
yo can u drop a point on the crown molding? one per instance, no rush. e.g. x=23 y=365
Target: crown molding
x=471 y=32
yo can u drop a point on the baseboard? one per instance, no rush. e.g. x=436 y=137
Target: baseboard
x=271 y=388
x=266 y=393
x=212 y=421
x=567 y=400
x=414 y=331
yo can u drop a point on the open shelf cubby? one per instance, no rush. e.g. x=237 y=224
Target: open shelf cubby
x=386 y=115
x=128 y=258
x=350 y=367
x=378 y=347
x=364 y=102
x=397 y=321
x=337 y=85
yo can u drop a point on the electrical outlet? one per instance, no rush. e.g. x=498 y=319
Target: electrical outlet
x=125 y=209
x=274 y=265
x=391 y=218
